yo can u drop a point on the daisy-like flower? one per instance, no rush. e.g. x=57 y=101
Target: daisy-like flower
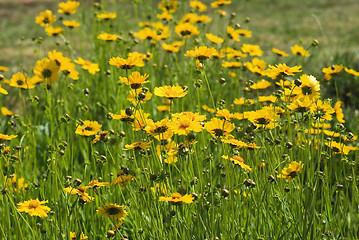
x=219 y=128
x=167 y=153
x=280 y=70
x=141 y=120
x=177 y=199
x=71 y=23
x=348 y=70
x=238 y=161
x=269 y=98
x=253 y=50
x=106 y=16
x=332 y=71
x=113 y=211
x=139 y=96
x=186 y=30
x=299 y=50
x=261 y=84
x=244 y=32
x=279 y=52
x=234 y=143
x=97 y=184
x=231 y=64
x=170 y=92
x=165 y=15
x=7 y=137
x=201 y=53
x=147 y=33
x=158 y=128
x=184 y=125
x=68 y=7
x=322 y=111
x=128 y=63
x=232 y=53
x=198 y=6
x=138 y=145
x=291 y=171
x=54 y=31
x=257 y=66
x=92 y=68
x=310 y=88
x=233 y=34
x=339 y=111
x=214 y=39
x=80 y=191
x=243 y=101
x=136 y=80
x=6 y=112
x=122 y=180
x=220 y=3
x=168 y=5
x=301 y=104
x=89 y=128
x=174 y=47
x=45 y=18
x=264 y=117
x=224 y=113
x=20 y=80
x=16 y=183
x=340 y=148
x=34 y=208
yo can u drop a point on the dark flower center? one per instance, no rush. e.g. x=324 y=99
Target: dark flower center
x=161 y=129
x=185 y=32
x=218 y=132
x=19 y=82
x=306 y=90
x=88 y=128
x=113 y=211
x=293 y=174
x=46 y=73
x=263 y=121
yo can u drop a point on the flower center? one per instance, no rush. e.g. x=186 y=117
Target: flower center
x=34 y=204
x=218 y=132
x=306 y=90
x=293 y=174
x=88 y=128
x=263 y=121
x=176 y=196
x=46 y=73
x=161 y=129
x=185 y=32
x=113 y=211
x=19 y=82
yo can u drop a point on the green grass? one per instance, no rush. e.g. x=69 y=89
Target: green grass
x=229 y=202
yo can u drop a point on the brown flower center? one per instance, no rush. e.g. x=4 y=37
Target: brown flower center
x=46 y=73
x=34 y=204
x=113 y=211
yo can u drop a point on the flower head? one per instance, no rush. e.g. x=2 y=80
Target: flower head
x=170 y=92
x=34 y=208
x=299 y=50
x=45 y=18
x=291 y=171
x=201 y=53
x=136 y=80
x=68 y=7
x=177 y=199
x=89 y=128
x=113 y=211
x=46 y=71
x=126 y=63
x=186 y=30
x=219 y=128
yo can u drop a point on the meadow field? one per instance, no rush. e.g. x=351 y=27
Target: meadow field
x=168 y=119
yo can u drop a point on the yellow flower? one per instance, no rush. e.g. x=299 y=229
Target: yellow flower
x=257 y=66
x=165 y=15
x=7 y=137
x=239 y=161
x=339 y=112
x=201 y=53
x=71 y=24
x=243 y=101
x=138 y=145
x=89 y=128
x=141 y=120
x=21 y=80
x=122 y=180
x=4 y=69
x=80 y=191
x=244 y=32
x=97 y=184
x=184 y=124
x=264 y=117
x=54 y=31
x=126 y=63
x=46 y=71
x=45 y=18
x=6 y=112
x=214 y=39
x=63 y=62
x=168 y=5
x=231 y=64
x=234 y=143
x=269 y=98
x=113 y=211
x=136 y=80
x=197 y=5
x=340 y=148
x=299 y=50
x=74 y=237
x=309 y=87
x=291 y=171
x=87 y=65
x=34 y=208
x=158 y=128
x=177 y=199
x=219 y=128
x=139 y=96
x=186 y=30
x=348 y=70
x=174 y=47
x=333 y=70
x=68 y=7
x=322 y=111
x=301 y=104
x=220 y=3
x=280 y=70
x=279 y=52
x=261 y=84
x=16 y=183
x=147 y=33
x=106 y=16
x=233 y=34
x=170 y=92
x=167 y=153
x=253 y=50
